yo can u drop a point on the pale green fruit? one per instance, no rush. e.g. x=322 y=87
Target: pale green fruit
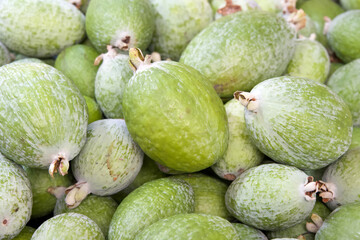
x=350 y=4
x=25 y=234
x=94 y=110
x=309 y=28
x=355 y=141
x=40 y=28
x=333 y=67
x=4 y=55
x=249 y=233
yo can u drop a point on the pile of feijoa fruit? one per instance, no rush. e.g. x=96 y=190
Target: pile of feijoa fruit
x=179 y=119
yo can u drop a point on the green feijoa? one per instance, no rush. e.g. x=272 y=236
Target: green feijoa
x=310 y=60
x=5 y=57
x=41 y=185
x=94 y=110
x=174 y=114
x=99 y=209
x=40 y=28
x=176 y=23
x=245 y=48
x=43 y=116
x=346 y=83
x=333 y=67
x=297 y=121
x=69 y=226
x=310 y=28
x=241 y=153
x=350 y=4
x=190 y=226
x=355 y=141
x=25 y=234
x=209 y=194
x=110 y=83
x=148 y=172
x=121 y=23
x=77 y=63
x=15 y=199
x=249 y=233
x=342 y=223
x=271 y=197
x=343 y=35
x=149 y=203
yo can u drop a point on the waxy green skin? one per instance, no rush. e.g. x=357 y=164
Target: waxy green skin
x=15 y=199
x=43 y=115
x=350 y=4
x=25 y=234
x=4 y=55
x=40 y=180
x=346 y=83
x=94 y=110
x=99 y=209
x=299 y=122
x=190 y=227
x=342 y=223
x=333 y=67
x=176 y=23
x=108 y=21
x=77 y=63
x=175 y=116
x=344 y=34
x=109 y=160
x=241 y=153
x=149 y=203
x=269 y=197
x=40 y=28
x=245 y=48
x=69 y=226
x=110 y=83
x=355 y=141
x=246 y=232
x=310 y=60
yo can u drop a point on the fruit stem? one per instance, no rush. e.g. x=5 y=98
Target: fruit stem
x=229 y=8
x=248 y=100
x=326 y=25
x=60 y=164
x=75 y=194
x=137 y=59
x=111 y=52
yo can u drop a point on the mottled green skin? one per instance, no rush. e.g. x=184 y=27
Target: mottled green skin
x=299 y=122
x=77 y=63
x=94 y=110
x=148 y=172
x=346 y=83
x=342 y=223
x=316 y=10
x=29 y=60
x=355 y=141
x=241 y=153
x=245 y=48
x=40 y=180
x=110 y=83
x=249 y=233
x=309 y=28
x=69 y=226
x=25 y=234
x=4 y=55
x=176 y=23
x=350 y=4
x=99 y=209
x=110 y=159
x=107 y=21
x=43 y=115
x=149 y=203
x=310 y=60
x=15 y=198
x=175 y=116
x=300 y=229
x=209 y=194
x=333 y=67
x=269 y=197
x=40 y=28
x=344 y=35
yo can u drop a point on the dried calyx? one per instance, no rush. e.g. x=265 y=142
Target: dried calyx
x=60 y=164
x=327 y=191
x=76 y=3
x=124 y=41
x=315 y=224
x=111 y=52
x=75 y=194
x=248 y=100
x=311 y=37
x=58 y=192
x=310 y=189
x=137 y=59
x=296 y=17
x=229 y=8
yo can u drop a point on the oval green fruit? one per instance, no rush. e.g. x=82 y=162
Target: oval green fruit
x=94 y=110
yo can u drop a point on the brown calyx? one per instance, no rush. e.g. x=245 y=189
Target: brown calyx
x=248 y=100
x=315 y=224
x=76 y=3
x=229 y=8
x=327 y=191
x=230 y=177
x=123 y=43
x=310 y=188
x=5 y=222
x=296 y=17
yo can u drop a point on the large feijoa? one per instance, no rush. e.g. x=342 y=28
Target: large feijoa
x=121 y=23
x=297 y=121
x=43 y=116
x=40 y=28
x=4 y=55
x=271 y=196
x=15 y=199
x=174 y=114
x=242 y=49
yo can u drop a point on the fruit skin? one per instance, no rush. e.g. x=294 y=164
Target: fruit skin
x=342 y=223
x=246 y=232
x=319 y=122
x=25 y=234
x=110 y=21
x=190 y=226
x=355 y=141
x=350 y=4
x=94 y=110
x=343 y=35
x=241 y=153
x=4 y=55
x=40 y=28
x=44 y=116
x=175 y=116
x=333 y=67
x=242 y=49
x=176 y=23
x=345 y=82
x=269 y=197
x=149 y=203
x=15 y=199
x=69 y=226
x=77 y=63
